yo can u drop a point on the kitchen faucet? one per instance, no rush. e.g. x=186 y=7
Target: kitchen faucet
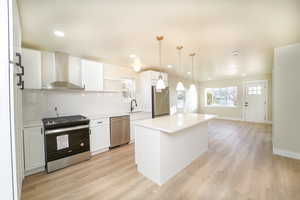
x=56 y=111
x=131 y=106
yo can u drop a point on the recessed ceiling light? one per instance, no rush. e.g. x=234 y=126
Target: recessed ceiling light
x=132 y=56
x=244 y=74
x=59 y=33
x=170 y=66
x=189 y=73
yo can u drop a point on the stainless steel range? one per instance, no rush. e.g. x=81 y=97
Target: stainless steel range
x=67 y=141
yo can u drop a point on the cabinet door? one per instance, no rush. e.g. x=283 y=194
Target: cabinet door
x=75 y=70
x=48 y=68
x=32 y=62
x=100 y=137
x=34 y=148
x=92 y=74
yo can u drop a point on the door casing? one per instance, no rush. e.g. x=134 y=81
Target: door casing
x=265 y=82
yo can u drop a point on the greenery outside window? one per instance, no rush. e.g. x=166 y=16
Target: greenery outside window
x=221 y=97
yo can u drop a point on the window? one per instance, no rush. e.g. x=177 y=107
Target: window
x=254 y=90
x=221 y=96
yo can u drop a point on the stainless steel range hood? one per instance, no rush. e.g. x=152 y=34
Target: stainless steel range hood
x=58 y=71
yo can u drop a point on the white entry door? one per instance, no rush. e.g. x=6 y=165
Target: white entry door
x=255 y=101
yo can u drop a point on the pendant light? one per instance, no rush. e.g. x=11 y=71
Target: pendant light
x=192 y=86
x=180 y=86
x=160 y=84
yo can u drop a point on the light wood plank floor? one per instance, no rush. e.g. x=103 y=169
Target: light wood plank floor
x=239 y=165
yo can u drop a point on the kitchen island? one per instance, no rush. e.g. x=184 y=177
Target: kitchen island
x=166 y=145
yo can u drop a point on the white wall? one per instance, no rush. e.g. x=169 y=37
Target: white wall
x=236 y=112
x=286 y=95
x=40 y=104
x=6 y=173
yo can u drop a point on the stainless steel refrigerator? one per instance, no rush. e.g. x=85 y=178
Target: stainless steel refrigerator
x=160 y=102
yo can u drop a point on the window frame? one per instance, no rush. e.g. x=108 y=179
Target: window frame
x=219 y=105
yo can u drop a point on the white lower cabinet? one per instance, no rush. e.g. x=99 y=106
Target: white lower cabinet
x=132 y=133
x=135 y=118
x=100 y=136
x=34 y=149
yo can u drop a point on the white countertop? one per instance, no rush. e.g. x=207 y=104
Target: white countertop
x=136 y=115
x=175 y=123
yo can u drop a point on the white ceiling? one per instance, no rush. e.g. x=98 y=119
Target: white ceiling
x=111 y=30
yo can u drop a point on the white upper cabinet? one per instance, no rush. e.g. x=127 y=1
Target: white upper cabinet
x=32 y=62
x=92 y=75
x=75 y=72
x=155 y=76
x=48 y=68
x=146 y=80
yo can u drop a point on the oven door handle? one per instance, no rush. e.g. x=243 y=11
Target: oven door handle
x=60 y=130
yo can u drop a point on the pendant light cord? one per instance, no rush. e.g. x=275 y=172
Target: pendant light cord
x=179 y=56
x=192 y=55
x=159 y=39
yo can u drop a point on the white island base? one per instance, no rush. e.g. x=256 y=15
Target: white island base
x=166 y=145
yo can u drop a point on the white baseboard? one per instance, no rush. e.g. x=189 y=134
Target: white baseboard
x=241 y=120
x=285 y=153
x=34 y=171
x=99 y=151
x=229 y=118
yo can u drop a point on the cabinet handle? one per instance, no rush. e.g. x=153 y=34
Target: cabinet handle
x=19 y=63
x=41 y=128
x=99 y=122
x=22 y=85
x=22 y=70
x=20 y=79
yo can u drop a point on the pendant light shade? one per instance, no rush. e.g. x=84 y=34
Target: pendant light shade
x=192 y=87
x=180 y=86
x=160 y=84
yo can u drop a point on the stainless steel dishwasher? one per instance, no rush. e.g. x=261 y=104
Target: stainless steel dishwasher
x=119 y=130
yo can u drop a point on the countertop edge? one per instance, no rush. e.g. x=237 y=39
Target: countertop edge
x=174 y=130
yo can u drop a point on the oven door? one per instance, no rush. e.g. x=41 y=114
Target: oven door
x=64 y=142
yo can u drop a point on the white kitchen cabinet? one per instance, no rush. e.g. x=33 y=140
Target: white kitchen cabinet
x=100 y=136
x=34 y=149
x=155 y=76
x=135 y=117
x=146 y=80
x=92 y=75
x=48 y=68
x=32 y=62
x=75 y=72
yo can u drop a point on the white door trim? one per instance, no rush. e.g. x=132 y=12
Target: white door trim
x=6 y=148
x=266 y=97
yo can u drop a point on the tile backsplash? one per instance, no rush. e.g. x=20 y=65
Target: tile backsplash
x=40 y=104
